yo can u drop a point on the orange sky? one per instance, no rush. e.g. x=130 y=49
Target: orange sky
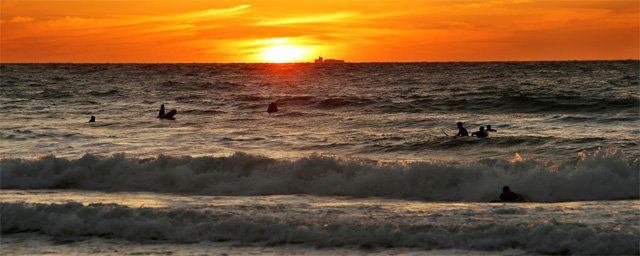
x=292 y=31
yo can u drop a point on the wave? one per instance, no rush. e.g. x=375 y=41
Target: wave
x=53 y=94
x=445 y=143
x=188 y=98
x=346 y=101
x=529 y=104
x=105 y=93
x=558 y=104
x=18 y=134
x=73 y=220
x=202 y=112
x=600 y=175
x=214 y=85
x=251 y=98
x=171 y=83
x=488 y=102
x=304 y=101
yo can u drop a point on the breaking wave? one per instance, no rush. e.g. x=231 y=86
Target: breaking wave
x=600 y=175
x=73 y=220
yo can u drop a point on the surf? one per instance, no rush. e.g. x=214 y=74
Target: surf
x=599 y=175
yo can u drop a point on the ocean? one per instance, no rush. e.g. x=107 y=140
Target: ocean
x=359 y=159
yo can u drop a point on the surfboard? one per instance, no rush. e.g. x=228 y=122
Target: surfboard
x=170 y=114
x=505 y=201
x=445 y=133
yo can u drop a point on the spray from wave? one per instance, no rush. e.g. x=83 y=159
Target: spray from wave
x=600 y=175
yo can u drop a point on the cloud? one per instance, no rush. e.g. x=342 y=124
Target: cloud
x=493 y=3
x=309 y=19
x=272 y=41
x=209 y=14
x=20 y=19
x=168 y=20
x=392 y=14
x=349 y=18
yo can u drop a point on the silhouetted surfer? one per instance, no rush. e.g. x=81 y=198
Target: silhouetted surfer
x=93 y=119
x=481 y=133
x=462 y=132
x=507 y=195
x=272 y=108
x=489 y=129
x=161 y=111
x=168 y=115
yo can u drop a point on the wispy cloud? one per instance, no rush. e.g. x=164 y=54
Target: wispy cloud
x=345 y=17
x=272 y=41
x=21 y=19
x=18 y=19
x=210 y=14
x=334 y=17
x=495 y=2
x=391 y=14
x=179 y=18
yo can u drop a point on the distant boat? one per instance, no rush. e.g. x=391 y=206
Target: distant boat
x=321 y=60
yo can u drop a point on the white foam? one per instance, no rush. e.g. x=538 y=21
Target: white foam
x=601 y=175
x=74 y=220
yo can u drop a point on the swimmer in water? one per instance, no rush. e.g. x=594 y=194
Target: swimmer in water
x=161 y=113
x=462 y=132
x=481 y=133
x=272 y=107
x=507 y=195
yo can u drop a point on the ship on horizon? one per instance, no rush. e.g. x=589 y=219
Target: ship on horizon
x=322 y=60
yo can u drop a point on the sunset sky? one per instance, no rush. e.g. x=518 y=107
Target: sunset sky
x=100 y=31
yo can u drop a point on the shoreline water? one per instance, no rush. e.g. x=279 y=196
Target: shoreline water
x=312 y=224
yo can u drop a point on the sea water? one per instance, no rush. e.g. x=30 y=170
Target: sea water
x=356 y=160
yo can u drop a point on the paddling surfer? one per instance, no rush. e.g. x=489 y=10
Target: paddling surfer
x=507 y=195
x=481 y=133
x=168 y=115
x=462 y=132
x=272 y=108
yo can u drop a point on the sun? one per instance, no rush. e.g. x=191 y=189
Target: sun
x=282 y=53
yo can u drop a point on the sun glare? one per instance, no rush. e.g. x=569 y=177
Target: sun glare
x=282 y=53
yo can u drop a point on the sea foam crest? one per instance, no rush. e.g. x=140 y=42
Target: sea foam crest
x=73 y=220
x=600 y=175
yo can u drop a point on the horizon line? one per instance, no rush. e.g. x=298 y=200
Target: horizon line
x=361 y=62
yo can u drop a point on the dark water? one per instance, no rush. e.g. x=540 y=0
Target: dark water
x=381 y=111
x=372 y=129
